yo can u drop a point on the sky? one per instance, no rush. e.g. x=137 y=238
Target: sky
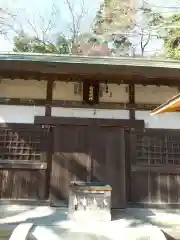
x=39 y=11
x=33 y=10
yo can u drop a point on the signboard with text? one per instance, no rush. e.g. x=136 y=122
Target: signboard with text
x=91 y=92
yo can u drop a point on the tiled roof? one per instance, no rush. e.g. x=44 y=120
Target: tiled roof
x=100 y=60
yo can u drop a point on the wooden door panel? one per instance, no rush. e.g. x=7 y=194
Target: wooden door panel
x=108 y=155
x=88 y=153
x=71 y=161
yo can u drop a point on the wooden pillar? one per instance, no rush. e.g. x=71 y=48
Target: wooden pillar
x=132 y=101
x=49 y=93
x=128 y=143
x=48 y=108
x=122 y=179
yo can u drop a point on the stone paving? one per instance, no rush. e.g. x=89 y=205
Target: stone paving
x=51 y=223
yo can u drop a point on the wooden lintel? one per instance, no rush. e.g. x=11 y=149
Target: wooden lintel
x=76 y=104
x=124 y=123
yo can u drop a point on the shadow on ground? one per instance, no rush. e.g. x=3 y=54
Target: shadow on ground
x=52 y=218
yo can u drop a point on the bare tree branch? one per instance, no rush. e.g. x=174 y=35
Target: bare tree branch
x=147 y=40
x=76 y=19
x=6 y=21
x=33 y=27
x=51 y=23
x=73 y=27
x=47 y=25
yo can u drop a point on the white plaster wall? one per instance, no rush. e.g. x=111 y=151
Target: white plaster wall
x=19 y=88
x=20 y=114
x=65 y=91
x=116 y=93
x=154 y=94
x=164 y=120
x=90 y=113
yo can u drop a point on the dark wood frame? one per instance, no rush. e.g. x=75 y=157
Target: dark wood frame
x=73 y=72
x=77 y=104
x=49 y=121
x=123 y=123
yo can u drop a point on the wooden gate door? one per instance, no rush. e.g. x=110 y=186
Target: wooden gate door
x=22 y=161
x=71 y=160
x=88 y=150
x=107 y=150
x=155 y=169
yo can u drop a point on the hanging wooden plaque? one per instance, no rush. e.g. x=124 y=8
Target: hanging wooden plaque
x=91 y=92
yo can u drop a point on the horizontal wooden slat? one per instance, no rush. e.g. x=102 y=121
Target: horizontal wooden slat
x=48 y=120
x=76 y=104
x=22 y=164
x=155 y=168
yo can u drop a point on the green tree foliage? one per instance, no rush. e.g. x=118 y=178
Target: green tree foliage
x=115 y=25
x=41 y=35
x=120 y=23
x=113 y=20
x=26 y=43
x=113 y=15
x=172 y=39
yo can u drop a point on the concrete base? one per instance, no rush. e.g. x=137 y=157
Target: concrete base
x=90 y=216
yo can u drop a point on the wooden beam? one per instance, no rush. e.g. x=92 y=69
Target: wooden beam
x=120 y=78
x=20 y=101
x=22 y=164
x=81 y=104
x=165 y=168
x=104 y=105
x=76 y=104
x=124 y=123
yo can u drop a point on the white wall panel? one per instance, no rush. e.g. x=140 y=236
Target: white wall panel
x=19 y=88
x=154 y=94
x=116 y=93
x=65 y=91
x=20 y=114
x=90 y=113
x=164 y=120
